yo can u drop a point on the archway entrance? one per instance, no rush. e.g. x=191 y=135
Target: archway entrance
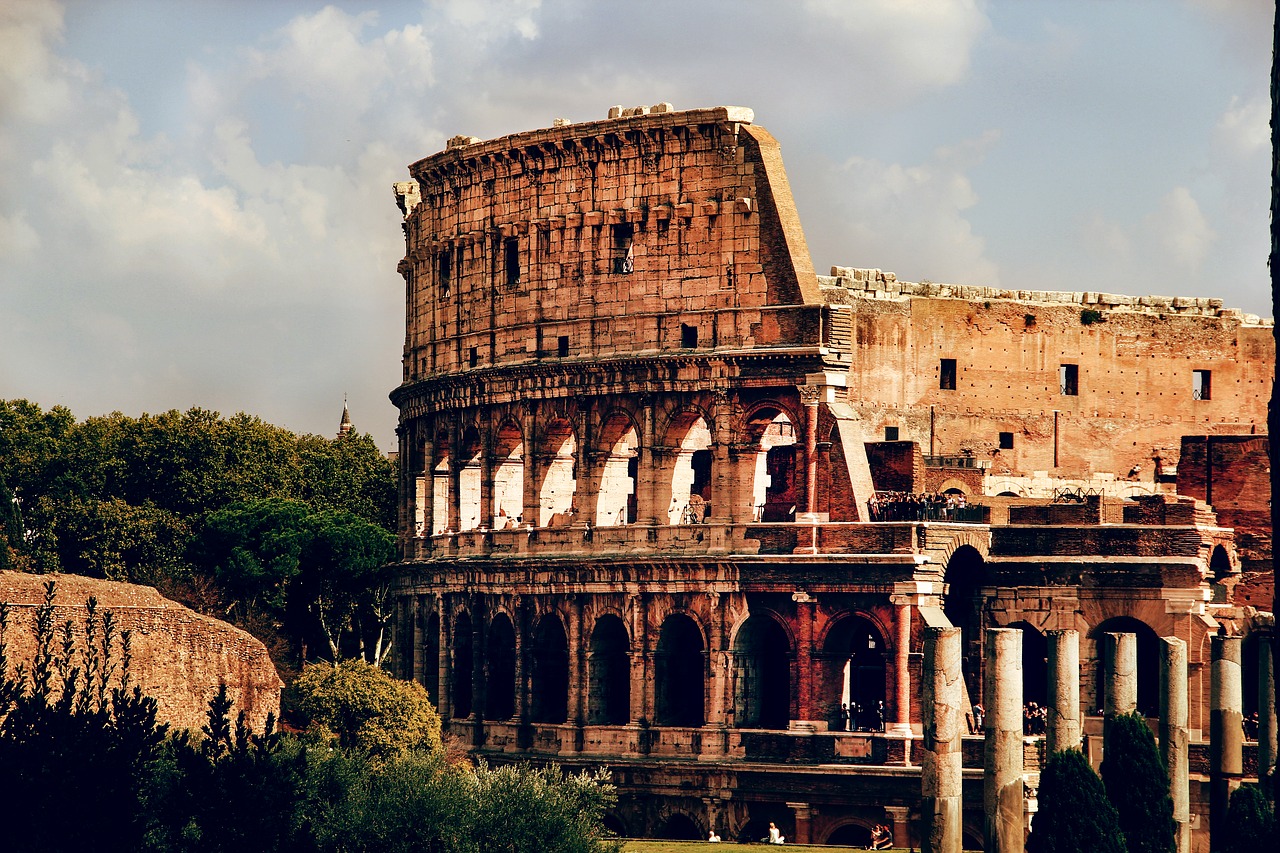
x=500 y=670
x=1148 y=661
x=774 y=494
x=549 y=676
x=1035 y=664
x=609 y=674
x=462 y=663
x=690 y=470
x=963 y=605
x=556 y=505
x=762 y=675
x=508 y=477
x=680 y=674
x=616 y=501
x=857 y=673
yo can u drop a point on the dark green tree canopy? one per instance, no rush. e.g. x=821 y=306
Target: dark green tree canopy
x=1074 y=814
x=1138 y=786
x=1250 y=822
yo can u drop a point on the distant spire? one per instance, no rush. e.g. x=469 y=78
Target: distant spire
x=345 y=427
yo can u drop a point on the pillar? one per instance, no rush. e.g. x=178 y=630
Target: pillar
x=810 y=450
x=1002 y=781
x=1175 y=735
x=942 y=706
x=485 y=519
x=647 y=503
x=1120 y=678
x=1226 y=734
x=899 y=818
x=804 y=817
x=1266 y=710
x=902 y=667
x=806 y=704
x=577 y=684
x=416 y=669
x=1063 y=724
x=639 y=662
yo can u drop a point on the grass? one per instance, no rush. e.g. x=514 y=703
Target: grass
x=704 y=847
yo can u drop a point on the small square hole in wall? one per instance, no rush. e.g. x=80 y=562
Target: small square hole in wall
x=688 y=336
x=1006 y=441
x=890 y=433
x=473 y=356
x=562 y=346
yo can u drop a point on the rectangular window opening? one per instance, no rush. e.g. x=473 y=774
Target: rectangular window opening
x=891 y=433
x=947 y=374
x=688 y=336
x=444 y=271
x=1069 y=380
x=511 y=254
x=623 y=257
x=1201 y=384
x=1006 y=441
x=473 y=356
x=562 y=346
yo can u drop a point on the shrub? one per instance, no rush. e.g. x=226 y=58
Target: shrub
x=1075 y=815
x=1138 y=786
x=1250 y=822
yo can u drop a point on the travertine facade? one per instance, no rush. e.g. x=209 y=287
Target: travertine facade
x=179 y=656
x=635 y=481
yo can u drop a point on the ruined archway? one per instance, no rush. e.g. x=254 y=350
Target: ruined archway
x=609 y=674
x=775 y=492
x=462 y=663
x=1148 y=660
x=469 y=476
x=762 y=675
x=850 y=835
x=508 y=477
x=440 y=490
x=687 y=467
x=558 y=465
x=856 y=673
x=965 y=575
x=617 y=471
x=1035 y=664
x=500 y=670
x=680 y=674
x=679 y=827
x=1219 y=564
x=549 y=675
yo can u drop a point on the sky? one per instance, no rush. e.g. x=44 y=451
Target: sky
x=196 y=204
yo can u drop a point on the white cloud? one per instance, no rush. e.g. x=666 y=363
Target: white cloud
x=1244 y=130
x=1164 y=249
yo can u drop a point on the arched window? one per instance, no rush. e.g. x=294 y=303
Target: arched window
x=680 y=674
x=690 y=469
x=462 y=663
x=616 y=475
x=964 y=578
x=556 y=497
x=1035 y=664
x=440 y=490
x=609 y=674
x=762 y=675
x=774 y=493
x=1148 y=661
x=508 y=477
x=469 y=481
x=549 y=679
x=856 y=674
x=500 y=670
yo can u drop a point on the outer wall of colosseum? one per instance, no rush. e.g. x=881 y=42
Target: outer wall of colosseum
x=179 y=656
x=635 y=476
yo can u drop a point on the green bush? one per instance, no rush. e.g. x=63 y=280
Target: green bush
x=1138 y=786
x=1250 y=821
x=1075 y=815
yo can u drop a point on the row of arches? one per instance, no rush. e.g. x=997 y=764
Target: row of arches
x=564 y=467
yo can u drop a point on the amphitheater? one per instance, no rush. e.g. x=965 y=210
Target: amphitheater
x=675 y=504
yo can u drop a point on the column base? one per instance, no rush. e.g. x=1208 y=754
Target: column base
x=898 y=730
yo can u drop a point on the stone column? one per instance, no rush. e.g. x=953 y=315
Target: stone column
x=810 y=450
x=647 y=507
x=1266 y=710
x=1120 y=678
x=1063 y=724
x=485 y=519
x=942 y=705
x=899 y=819
x=576 y=686
x=1175 y=734
x=1226 y=735
x=444 y=660
x=416 y=669
x=1002 y=782
x=531 y=502
x=805 y=604
x=901 y=726
x=804 y=815
x=427 y=512
x=640 y=708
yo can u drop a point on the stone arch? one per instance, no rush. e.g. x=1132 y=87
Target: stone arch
x=463 y=661
x=500 y=669
x=558 y=474
x=609 y=673
x=680 y=827
x=1035 y=663
x=954 y=486
x=441 y=482
x=685 y=471
x=762 y=673
x=1003 y=485
x=774 y=430
x=1220 y=563
x=680 y=673
x=1148 y=660
x=615 y=475
x=469 y=476
x=549 y=672
x=857 y=670
x=964 y=578
x=508 y=475
x=851 y=833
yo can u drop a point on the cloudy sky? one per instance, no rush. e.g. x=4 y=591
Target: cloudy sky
x=196 y=206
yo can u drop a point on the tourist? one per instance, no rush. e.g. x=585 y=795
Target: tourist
x=711 y=836
x=775 y=835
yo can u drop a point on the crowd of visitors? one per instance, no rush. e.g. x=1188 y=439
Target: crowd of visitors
x=1034 y=717
x=855 y=717
x=917 y=506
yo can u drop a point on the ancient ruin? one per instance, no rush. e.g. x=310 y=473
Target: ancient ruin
x=674 y=503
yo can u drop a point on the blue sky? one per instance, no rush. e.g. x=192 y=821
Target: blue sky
x=195 y=203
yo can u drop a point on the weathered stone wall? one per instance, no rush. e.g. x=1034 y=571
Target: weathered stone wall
x=179 y=656
x=896 y=466
x=1233 y=473
x=1133 y=358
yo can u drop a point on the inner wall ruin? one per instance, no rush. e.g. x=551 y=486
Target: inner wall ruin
x=654 y=480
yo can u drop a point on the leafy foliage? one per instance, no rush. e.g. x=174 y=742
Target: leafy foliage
x=1250 y=821
x=1138 y=786
x=1075 y=815
x=366 y=709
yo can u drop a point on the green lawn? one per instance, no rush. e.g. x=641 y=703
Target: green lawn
x=704 y=847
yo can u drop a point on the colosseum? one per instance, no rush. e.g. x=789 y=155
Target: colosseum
x=675 y=504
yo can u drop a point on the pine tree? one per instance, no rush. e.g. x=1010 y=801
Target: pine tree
x=1075 y=815
x=1138 y=786
x=1250 y=824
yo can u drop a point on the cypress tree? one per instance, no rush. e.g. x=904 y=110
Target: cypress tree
x=1250 y=824
x=1075 y=815
x=1138 y=786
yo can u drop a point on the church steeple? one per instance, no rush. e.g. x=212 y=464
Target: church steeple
x=345 y=427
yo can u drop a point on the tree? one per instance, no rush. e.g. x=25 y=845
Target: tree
x=365 y=708
x=10 y=525
x=525 y=809
x=1075 y=815
x=1137 y=784
x=1250 y=823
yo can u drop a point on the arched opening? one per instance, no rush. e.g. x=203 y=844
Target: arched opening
x=609 y=674
x=1220 y=564
x=549 y=678
x=841 y=502
x=856 y=677
x=690 y=471
x=440 y=491
x=774 y=494
x=614 y=826
x=762 y=675
x=500 y=670
x=469 y=481
x=431 y=658
x=963 y=604
x=1148 y=661
x=1035 y=664
x=757 y=828
x=1249 y=663
x=850 y=835
x=679 y=827
x=508 y=477
x=616 y=501
x=680 y=672
x=462 y=663
x=556 y=498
